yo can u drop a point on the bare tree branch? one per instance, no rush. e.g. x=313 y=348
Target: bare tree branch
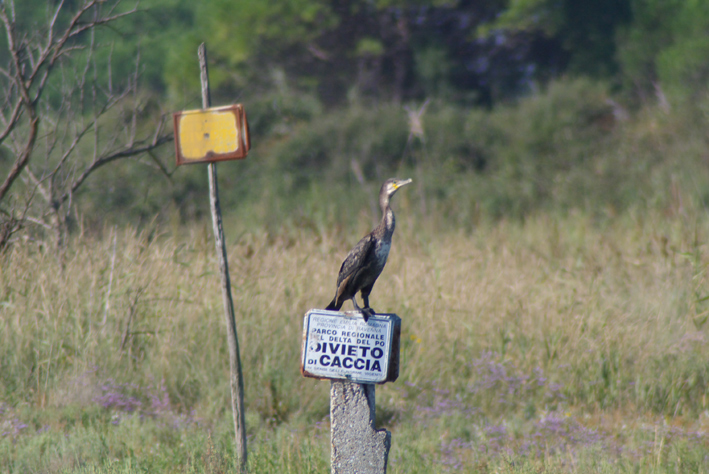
x=21 y=160
x=11 y=121
x=44 y=137
x=113 y=157
x=160 y=165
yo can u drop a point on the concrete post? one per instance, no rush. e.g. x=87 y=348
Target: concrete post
x=357 y=446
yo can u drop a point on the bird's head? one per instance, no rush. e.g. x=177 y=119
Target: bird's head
x=391 y=185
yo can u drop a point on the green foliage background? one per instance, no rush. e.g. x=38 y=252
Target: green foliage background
x=532 y=104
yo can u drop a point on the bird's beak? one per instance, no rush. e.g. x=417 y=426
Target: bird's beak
x=401 y=183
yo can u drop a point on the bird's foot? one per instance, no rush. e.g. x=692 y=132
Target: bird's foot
x=367 y=313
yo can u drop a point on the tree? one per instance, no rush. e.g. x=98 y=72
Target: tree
x=62 y=118
x=332 y=47
x=666 y=48
x=584 y=30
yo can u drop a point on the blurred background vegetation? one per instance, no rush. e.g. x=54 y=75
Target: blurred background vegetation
x=524 y=105
x=554 y=234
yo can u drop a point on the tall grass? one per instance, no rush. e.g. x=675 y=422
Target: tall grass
x=526 y=346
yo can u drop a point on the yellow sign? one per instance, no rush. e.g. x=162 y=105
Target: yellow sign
x=216 y=134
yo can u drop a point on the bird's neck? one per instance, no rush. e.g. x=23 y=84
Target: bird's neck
x=388 y=221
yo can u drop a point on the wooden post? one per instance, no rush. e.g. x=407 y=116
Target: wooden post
x=237 y=379
x=357 y=446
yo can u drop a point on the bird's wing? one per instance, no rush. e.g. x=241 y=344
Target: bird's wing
x=356 y=258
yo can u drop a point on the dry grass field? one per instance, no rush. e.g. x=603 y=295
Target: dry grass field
x=561 y=344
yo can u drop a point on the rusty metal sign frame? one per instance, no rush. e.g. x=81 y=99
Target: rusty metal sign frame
x=394 y=343
x=244 y=140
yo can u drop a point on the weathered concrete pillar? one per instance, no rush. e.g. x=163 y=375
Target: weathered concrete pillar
x=357 y=446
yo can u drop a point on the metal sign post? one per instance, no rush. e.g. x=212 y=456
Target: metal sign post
x=354 y=355
x=207 y=136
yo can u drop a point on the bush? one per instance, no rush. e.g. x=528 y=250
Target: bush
x=569 y=147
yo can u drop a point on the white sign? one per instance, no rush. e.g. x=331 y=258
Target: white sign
x=339 y=346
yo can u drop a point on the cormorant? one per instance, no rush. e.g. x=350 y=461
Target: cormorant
x=366 y=260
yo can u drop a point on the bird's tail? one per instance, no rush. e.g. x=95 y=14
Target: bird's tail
x=334 y=306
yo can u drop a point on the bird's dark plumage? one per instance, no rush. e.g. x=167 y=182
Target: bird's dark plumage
x=366 y=260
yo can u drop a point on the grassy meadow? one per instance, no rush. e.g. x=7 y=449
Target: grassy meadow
x=549 y=264
x=557 y=344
